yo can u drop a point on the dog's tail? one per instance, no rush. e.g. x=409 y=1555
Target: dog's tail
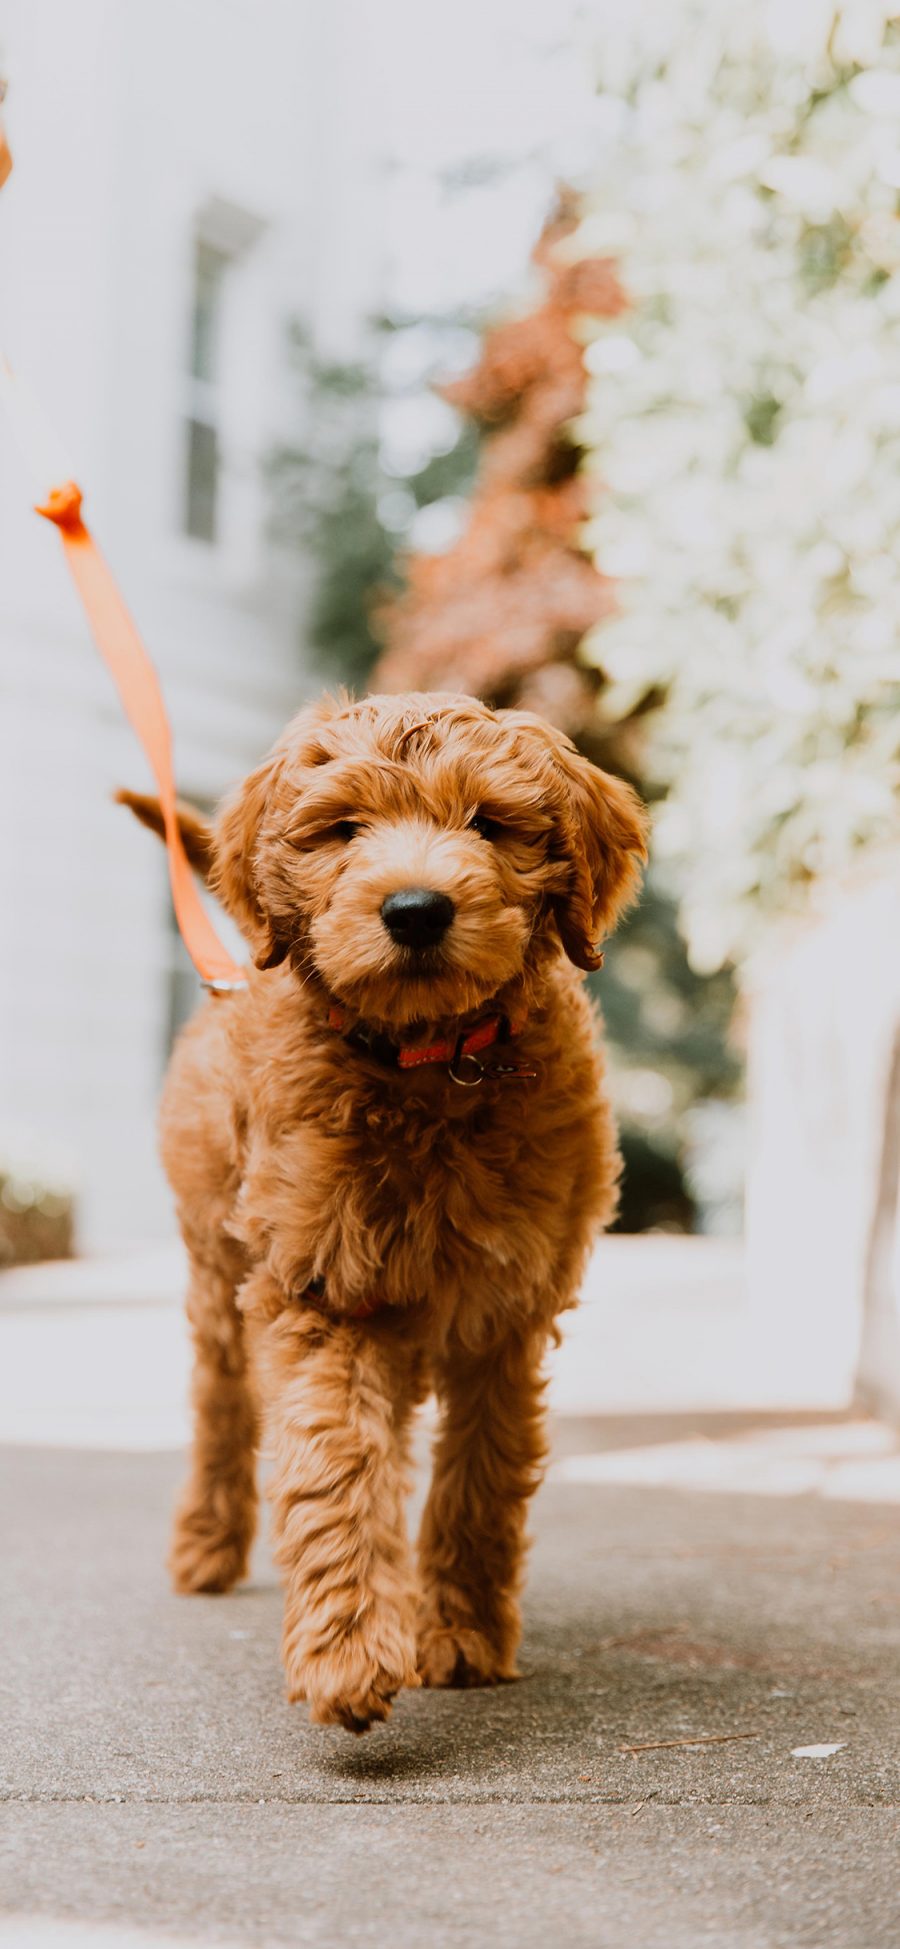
x=196 y=832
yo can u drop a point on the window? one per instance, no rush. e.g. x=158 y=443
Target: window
x=202 y=480
x=202 y=442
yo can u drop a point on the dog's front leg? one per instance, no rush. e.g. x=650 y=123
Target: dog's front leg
x=216 y=1516
x=488 y=1461
x=338 y=1398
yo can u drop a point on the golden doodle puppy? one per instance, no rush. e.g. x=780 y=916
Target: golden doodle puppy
x=390 y=1157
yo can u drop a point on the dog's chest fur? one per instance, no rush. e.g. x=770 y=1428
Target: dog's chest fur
x=407 y=1189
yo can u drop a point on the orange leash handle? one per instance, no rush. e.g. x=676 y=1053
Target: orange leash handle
x=135 y=678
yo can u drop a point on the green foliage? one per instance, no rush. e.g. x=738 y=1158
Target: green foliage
x=653 y=1193
x=660 y=1011
x=447 y=474
x=335 y=501
x=325 y=494
x=669 y=1036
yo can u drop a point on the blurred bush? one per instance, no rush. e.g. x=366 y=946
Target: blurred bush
x=37 y=1217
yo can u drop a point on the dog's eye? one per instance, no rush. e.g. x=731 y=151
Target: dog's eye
x=308 y=838
x=488 y=828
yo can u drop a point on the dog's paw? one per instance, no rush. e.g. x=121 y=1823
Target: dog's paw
x=461 y=1656
x=353 y=1684
x=203 y=1560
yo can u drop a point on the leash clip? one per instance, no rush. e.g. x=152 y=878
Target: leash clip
x=515 y=1072
x=461 y=1056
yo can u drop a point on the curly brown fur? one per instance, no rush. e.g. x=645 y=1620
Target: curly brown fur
x=299 y=1162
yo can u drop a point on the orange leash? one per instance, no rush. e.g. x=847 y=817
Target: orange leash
x=135 y=678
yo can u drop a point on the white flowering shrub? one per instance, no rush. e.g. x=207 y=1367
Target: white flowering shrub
x=745 y=418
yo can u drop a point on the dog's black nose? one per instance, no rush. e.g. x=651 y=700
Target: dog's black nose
x=417 y=917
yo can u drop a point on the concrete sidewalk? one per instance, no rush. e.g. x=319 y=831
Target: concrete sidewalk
x=156 y=1781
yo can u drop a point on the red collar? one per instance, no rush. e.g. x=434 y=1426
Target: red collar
x=459 y=1053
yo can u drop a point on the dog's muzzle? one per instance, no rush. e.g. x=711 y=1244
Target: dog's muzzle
x=417 y=917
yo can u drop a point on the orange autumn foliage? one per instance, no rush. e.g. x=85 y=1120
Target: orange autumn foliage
x=501 y=614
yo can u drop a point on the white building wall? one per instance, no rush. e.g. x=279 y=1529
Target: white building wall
x=825 y=1022
x=126 y=123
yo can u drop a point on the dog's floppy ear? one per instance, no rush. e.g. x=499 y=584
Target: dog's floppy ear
x=601 y=836
x=238 y=833
x=219 y=855
x=196 y=832
x=605 y=837
x=233 y=875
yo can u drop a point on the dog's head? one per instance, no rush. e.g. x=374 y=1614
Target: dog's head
x=419 y=854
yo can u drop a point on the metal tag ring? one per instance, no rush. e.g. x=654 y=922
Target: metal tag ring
x=466 y=1082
